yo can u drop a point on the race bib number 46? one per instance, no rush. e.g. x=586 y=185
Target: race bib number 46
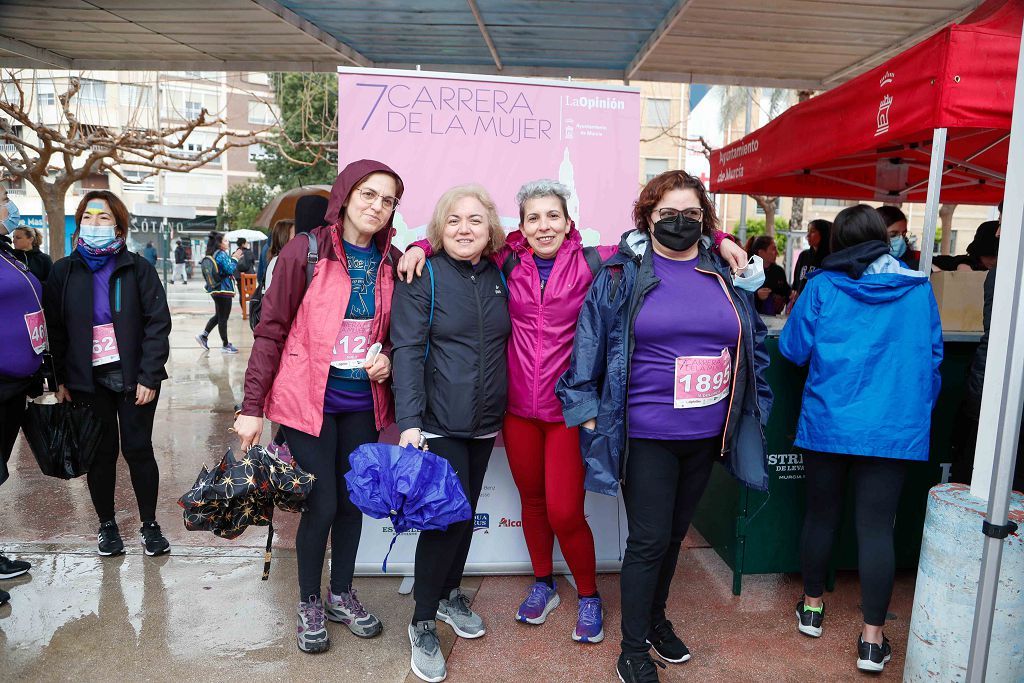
x=702 y=380
x=104 y=345
x=36 y=324
x=349 y=351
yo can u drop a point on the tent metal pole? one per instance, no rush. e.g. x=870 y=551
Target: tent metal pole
x=1003 y=395
x=931 y=208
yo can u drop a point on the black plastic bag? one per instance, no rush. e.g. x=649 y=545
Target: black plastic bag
x=62 y=436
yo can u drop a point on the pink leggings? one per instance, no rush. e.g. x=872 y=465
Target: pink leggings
x=545 y=461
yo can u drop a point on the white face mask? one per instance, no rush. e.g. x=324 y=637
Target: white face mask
x=751 y=278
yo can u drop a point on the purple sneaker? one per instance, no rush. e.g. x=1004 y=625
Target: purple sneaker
x=590 y=622
x=311 y=630
x=345 y=608
x=538 y=604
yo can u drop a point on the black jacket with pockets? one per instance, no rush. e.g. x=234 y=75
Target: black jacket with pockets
x=138 y=306
x=459 y=389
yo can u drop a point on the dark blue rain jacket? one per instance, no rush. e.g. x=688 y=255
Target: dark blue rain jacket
x=595 y=385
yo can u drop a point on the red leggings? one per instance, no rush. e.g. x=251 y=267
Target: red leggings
x=548 y=470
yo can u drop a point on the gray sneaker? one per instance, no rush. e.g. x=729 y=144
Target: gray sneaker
x=427 y=661
x=455 y=612
x=312 y=629
x=345 y=608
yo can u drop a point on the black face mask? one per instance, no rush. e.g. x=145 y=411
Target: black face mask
x=679 y=233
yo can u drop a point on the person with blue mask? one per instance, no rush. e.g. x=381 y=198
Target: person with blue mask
x=869 y=330
x=896 y=226
x=12 y=219
x=109 y=327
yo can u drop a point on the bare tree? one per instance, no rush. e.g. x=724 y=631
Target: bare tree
x=56 y=156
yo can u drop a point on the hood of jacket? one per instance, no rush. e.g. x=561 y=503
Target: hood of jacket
x=310 y=210
x=854 y=260
x=347 y=179
x=880 y=280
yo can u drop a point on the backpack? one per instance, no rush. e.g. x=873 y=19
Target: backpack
x=256 y=302
x=589 y=253
x=210 y=273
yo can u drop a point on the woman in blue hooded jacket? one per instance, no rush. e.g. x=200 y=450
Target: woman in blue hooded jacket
x=869 y=329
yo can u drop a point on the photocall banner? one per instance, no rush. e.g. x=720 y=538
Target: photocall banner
x=441 y=130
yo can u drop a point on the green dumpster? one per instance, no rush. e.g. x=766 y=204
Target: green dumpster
x=759 y=533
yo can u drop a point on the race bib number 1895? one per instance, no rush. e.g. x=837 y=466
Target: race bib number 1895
x=702 y=380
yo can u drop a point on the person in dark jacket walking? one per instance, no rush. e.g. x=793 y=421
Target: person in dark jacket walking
x=312 y=371
x=869 y=329
x=223 y=269
x=150 y=253
x=450 y=382
x=27 y=243
x=23 y=339
x=661 y=391
x=108 y=323
x=180 y=264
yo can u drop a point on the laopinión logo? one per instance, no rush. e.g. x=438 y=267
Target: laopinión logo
x=481 y=520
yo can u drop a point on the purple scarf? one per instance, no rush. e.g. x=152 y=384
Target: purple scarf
x=95 y=258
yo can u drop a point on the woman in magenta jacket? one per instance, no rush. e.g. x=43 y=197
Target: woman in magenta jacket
x=549 y=272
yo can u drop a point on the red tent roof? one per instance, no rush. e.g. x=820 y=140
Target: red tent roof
x=870 y=138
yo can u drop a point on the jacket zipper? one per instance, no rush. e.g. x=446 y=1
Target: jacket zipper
x=117 y=295
x=630 y=339
x=739 y=350
x=480 y=327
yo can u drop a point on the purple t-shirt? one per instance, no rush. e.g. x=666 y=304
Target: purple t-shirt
x=101 y=293
x=686 y=314
x=544 y=266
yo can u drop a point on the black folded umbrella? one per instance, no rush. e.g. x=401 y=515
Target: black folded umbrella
x=238 y=494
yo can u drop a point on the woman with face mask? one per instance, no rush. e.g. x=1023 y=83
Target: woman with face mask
x=312 y=371
x=896 y=227
x=666 y=377
x=108 y=324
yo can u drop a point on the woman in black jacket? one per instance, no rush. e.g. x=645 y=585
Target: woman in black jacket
x=27 y=242
x=449 y=331
x=108 y=323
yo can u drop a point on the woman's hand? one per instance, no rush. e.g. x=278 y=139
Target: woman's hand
x=590 y=424
x=143 y=395
x=62 y=394
x=411 y=263
x=410 y=437
x=379 y=369
x=733 y=254
x=249 y=430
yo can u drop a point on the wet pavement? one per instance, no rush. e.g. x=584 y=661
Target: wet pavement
x=203 y=613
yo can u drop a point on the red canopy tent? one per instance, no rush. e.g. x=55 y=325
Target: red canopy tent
x=873 y=137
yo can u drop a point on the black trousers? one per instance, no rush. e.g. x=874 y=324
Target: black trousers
x=12 y=412
x=664 y=483
x=877 y=483
x=222 y=308
x=134 y=424
x=441 y=555
x=329 y=509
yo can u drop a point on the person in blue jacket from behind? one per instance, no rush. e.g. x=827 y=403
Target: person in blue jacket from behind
x=869 y=329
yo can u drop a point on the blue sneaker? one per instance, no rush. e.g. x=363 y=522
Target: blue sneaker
x=538 y=604
x=590 y=621
x=228 y=348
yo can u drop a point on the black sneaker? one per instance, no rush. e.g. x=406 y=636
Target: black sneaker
x=10 y=568
x=109 y=539
x=641 y=669
x=667 y=644
x=809 y=619
x=872 y=657
x=153 y=541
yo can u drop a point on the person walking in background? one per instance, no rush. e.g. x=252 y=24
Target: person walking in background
x=449 y=332
x=869 y=330
x=246 y=263
x=310 y=372
x=668 y=345
x=283 y=232
x=180 y=263
x=218 y=273
x=109 y=325
x=150 y=253
x=27 y=243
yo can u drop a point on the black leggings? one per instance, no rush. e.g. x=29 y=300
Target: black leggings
x=119 y=415
x=877 y=483
x=441 y=555
x=222 y=307
x=329 y=510
x=664 y=483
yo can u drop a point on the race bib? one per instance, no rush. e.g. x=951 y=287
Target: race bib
x=349 y=351
x=702 y=380
x=36 y=324
x=104 y=345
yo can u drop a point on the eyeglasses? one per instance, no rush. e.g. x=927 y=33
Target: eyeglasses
x=691 y=214
x=370 y=196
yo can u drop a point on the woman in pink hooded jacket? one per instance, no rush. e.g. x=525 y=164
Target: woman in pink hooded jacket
x=549 y=272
